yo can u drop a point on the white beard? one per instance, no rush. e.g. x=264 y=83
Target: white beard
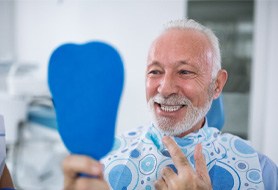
x=193 y=114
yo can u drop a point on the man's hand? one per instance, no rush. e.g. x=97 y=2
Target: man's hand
x=74 y=165
x=186 y=178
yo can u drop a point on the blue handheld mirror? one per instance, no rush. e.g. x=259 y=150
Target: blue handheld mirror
x=86 y=83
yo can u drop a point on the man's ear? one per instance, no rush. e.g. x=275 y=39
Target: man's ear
x=220 y=82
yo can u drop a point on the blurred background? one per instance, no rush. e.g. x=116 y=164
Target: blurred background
x=31 y=29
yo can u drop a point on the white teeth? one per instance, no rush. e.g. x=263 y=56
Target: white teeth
x=170 y=108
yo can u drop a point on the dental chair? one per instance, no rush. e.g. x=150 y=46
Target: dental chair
x=215 y=115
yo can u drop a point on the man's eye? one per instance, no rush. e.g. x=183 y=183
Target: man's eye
x=184 y=72
x=154 y=72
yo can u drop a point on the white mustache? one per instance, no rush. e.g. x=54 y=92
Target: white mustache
x=172 y=100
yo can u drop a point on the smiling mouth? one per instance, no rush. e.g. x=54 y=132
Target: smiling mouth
x=170 y=108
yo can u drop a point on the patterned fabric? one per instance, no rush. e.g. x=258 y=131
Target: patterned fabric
x=139 y=156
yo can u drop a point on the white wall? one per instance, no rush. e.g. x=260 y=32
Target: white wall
x=129 y=25
x=6 y=31
x=264 y=100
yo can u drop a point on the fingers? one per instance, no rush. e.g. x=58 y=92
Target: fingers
x=160 y=185
x=75 y=164
x=169 y=176
x=177 y=155
x=200 y=163
x=186 y=177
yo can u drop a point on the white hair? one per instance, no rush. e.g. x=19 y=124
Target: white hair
x=192 y=24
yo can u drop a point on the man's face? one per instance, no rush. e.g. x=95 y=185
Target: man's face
x=179 y=87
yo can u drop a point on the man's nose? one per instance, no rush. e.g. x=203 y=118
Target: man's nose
x=167 y=86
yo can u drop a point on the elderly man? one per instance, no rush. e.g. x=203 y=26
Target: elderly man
x=179 y=150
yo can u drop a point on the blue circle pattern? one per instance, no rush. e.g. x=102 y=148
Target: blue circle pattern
x=254 y=176
x=117 y=172
x=242 y=147
x=228 y=159
x=147 y=164
x=223 y=179
x=135 y=153
x=242 y=166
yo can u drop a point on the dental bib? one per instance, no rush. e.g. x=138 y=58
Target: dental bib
x=139 y=156
x=86 y=83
